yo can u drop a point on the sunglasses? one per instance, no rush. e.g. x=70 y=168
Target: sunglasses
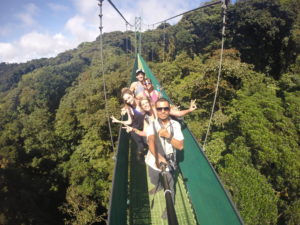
x=163 y=108
x=146 y=83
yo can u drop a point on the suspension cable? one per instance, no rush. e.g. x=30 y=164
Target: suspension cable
x=224 y=6
x=204 y=6
x=126 y=40
x=127 y=24
x=102 y=73
x=140 y=35
x=135 y=41
x=152 y=46
x=112 y=4
x=164 y=44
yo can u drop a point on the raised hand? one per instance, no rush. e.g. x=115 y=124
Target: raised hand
x=114 y=120
x=128 y=128
x=193 y=105
x=164 y=133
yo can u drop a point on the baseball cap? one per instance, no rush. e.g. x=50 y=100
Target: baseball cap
x=139 y=71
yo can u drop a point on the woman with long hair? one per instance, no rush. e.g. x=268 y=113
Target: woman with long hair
x=149 y=91
x=135 y=119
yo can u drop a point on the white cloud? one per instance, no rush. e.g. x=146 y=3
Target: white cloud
x=26 y=17
x=112 y=21
x=79 y=28
x=84 y=26
x=89 y=10
x=35 y=42
x=7 y=51
x=34 y=45
x=86 y=7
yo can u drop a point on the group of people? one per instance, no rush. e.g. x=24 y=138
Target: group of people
x=152 y=127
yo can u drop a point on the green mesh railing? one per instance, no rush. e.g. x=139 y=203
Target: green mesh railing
x=117 y=212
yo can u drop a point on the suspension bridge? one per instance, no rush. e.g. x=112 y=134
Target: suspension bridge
x=200 y=197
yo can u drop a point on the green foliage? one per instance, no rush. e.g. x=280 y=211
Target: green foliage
x=266 y=33
x=215 y=148
x=10 y=74
x=89 y=178
x=260 y=30
x=270 y=138
x=292 y=104
x=253 y=195
x=27 y=198
x=55 y=151
x=205 y=28
x=293 y=213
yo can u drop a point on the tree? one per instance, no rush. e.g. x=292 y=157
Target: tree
x=260 y=30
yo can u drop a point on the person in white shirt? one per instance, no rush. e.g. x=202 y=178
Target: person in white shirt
x=164 y=136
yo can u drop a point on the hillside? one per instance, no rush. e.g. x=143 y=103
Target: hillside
x=56 y=158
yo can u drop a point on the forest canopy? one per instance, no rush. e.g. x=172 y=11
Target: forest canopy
x=55 y=152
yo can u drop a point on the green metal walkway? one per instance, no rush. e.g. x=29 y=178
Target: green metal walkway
x=140 y=211
x=200 y=197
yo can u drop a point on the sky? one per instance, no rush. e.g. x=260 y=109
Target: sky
x=32 y=29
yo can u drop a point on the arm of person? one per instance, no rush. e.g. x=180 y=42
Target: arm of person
x=180 y=113
x=125 y=122
x=143 y=132
x=139 y=132
x=114 y=120
x=151 y=144
x=177 y=144
x=133 y=86
x=158 y=157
